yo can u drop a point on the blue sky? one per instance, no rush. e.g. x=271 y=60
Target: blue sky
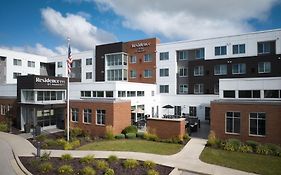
x=42 y=26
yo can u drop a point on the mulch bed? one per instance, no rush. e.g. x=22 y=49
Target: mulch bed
x=77 y=166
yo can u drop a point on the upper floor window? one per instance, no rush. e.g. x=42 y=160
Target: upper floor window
x=249 y=94
x=108 y=93
x=183 y=72
x=164 y=88
x=182 y=54
x=133 y=73
x=228 y=94
x=238 y=49
x=59 y=64
x=100 y=117
x=89 y=75
x=31 y=64
x=266 y=47
x=220 y=69
x=264 y=67
x=89 y=61
x=16 y=74
x=140 y=93
x=74 y=114
x=147 y=73
x=198 y=71
x=114 y=60
x=164 y=72
x=133 y=59
x=98 y=94
x=239 y=68
x=114 y=75
x=121 y=93
x=272 y=93
x=183 y=89
x=220 y=50
x=164 y=55
x=147 y=58
x=198 y=88
x=17 y=62
x=232 y=122
x=257 y=123
x=86 y=94
x=200 y=53
x=131 y=93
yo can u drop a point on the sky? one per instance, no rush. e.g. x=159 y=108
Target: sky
x=43 y=26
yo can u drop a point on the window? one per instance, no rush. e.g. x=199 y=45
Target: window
x=98 y=93
x=88 y=75
x=16 y=74
x=28 y=95
x=87 y=116
x=133 y=59
x=266 y=47
x=121 y=93
x=232 y=120
x=89 y=61
x=257 y=123
x=264 y=67
x=114 y=75
x=164 y=88
x=50 y=95
x=220 y=50
x=249 y=94
x=164 y=55
x=147 y=73
x=17 y=62
x=109 y=93
x=229 y=94
x=182 y=55
x=100 y=117
x=238 y=49
x=216 y=88
x=133 y=73
x=147 y=58
x=183 y=89
x=193 y=111
x=198 y=71
x=239 y=68
x=272 y=94
x=74 y=114
x=3 y=110
x=200 y=53
x=86 y=94
x=164 y=72
x=131 y=93
x=198 y=88
x=183 y=72
x=76 y=64
x=30 y=63
x=59 y=64
x=140 y=93
x=220 y=69
x=114 y=60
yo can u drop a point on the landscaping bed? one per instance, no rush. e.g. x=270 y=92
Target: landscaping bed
x=99 y=166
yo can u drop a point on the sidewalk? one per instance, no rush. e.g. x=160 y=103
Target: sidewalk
x=186 y=159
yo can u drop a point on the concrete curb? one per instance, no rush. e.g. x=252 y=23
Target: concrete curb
x=20 y=166
x=175 y=171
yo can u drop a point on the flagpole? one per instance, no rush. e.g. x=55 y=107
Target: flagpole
x=67 y=100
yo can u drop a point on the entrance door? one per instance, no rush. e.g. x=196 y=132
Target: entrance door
x=207 y=113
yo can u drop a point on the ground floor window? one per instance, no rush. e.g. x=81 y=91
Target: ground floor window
x=257 y=123
x=46 y=117
x=87 y=116
x=100 y=117
x=74 y=114
x=232 y=120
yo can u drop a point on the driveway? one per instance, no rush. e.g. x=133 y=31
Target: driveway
x=6 y=159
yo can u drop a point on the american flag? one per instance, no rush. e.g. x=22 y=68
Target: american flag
x=69 y=60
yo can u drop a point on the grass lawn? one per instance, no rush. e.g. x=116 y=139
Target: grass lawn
x=255 y=163
x=134 y=146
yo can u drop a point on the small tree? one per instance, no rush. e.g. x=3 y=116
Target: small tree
x=109 y=132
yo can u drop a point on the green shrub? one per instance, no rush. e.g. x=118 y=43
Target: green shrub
x=130 y=129
x=149 y=164
x=67 y=146
x=109 y=133
x=75 y=132
x=130 y=163
x=61 y=142
x=151 y=137
x=131 y=135
x=45 y=167
x=234 y=143
x=75 y=144
x=66 y=157
x=50 y=142
x=213 y=141
x=101 y=164
x=65 y=169
x=109 y=171
x=275 y=149
x=45 y=156
x=263 y=149
x=4 y=127
x=152 y=172
x=88 y=171
x=112 y=158
x=245 y=149
x=88 y=159
x=177 y=140
x=140 y=135
x=186 y=137
x=41 y=138
x=120 y=136
x=34 y=163
x=252 y=144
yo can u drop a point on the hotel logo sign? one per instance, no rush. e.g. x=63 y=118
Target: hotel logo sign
x=49 y=81
x=140 y=46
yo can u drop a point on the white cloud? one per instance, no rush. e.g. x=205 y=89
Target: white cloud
x=83 y=34
x=186 y=19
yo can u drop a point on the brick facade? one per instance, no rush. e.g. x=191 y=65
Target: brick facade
x=4 y=103
x=166 y=128
x=273 y=120
x=118 y=114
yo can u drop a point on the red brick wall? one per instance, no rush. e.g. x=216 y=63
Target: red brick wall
x=166 y=128
x=13 y=111
x=118 y=115
x=273 y=121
